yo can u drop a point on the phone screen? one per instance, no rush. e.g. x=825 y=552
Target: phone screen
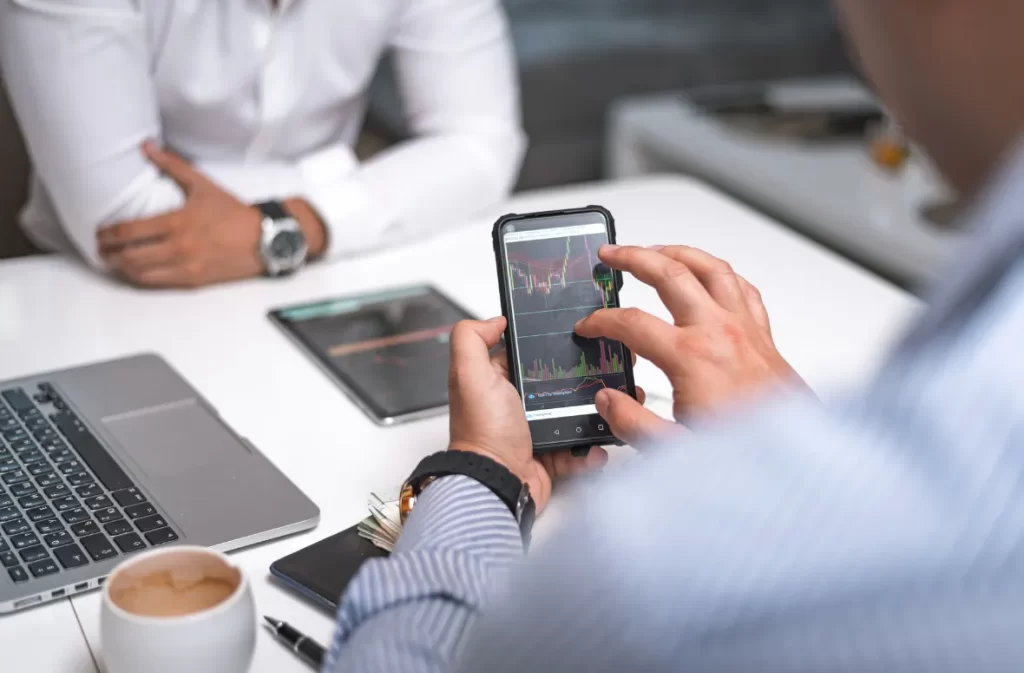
x=554 y=278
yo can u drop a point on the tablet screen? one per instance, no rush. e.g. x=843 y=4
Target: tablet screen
x=390 y=349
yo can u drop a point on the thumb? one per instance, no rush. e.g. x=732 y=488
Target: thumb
x=629 y=420
x=173 y=166
x=472 y=341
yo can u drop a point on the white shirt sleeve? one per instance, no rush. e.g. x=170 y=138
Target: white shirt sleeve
x=457 y=78
x=77 y=75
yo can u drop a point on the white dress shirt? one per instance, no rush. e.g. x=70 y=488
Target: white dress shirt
x=266 y=101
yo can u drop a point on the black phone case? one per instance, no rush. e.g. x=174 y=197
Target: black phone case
x=513 y=361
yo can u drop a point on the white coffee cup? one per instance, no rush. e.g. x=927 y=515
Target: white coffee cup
x=178 y=610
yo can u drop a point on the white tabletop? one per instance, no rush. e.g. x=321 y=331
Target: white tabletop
x=831 y=319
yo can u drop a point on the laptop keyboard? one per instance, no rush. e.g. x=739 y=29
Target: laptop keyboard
x=64 y=501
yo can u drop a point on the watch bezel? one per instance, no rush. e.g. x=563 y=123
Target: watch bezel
x=271 y=229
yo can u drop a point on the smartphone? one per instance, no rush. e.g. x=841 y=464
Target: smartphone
x=550 y=277
x=322 y=571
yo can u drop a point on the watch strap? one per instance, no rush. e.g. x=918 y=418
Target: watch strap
x=274 y=210
x=495 y=476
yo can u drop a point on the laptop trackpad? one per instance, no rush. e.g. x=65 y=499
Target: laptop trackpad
x=175 y=439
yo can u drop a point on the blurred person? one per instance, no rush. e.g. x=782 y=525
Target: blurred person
x=884 y=532
x=156 y=128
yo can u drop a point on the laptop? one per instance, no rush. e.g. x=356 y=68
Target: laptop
x=107 y=460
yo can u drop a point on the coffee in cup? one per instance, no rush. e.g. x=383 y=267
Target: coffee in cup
x=178 y=609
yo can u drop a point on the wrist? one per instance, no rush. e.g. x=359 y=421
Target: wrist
x=312 y=225
x=518 y=469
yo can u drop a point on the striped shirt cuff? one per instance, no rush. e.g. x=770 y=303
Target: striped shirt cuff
x=456 y=543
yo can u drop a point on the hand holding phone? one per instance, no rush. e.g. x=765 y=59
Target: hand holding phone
x=550 y=278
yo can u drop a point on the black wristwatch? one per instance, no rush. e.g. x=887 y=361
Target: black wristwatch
x=283 y=246
x=507 y=486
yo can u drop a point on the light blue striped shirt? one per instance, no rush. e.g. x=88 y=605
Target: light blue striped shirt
x=881 y=533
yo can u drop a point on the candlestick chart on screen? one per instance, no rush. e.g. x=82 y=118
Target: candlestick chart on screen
x=555 y=282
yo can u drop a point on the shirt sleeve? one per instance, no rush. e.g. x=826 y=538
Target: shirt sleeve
x=78 y=79
x=408 y=612
x=457 y=79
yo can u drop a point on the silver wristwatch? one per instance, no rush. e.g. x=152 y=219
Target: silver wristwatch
x=282 y=244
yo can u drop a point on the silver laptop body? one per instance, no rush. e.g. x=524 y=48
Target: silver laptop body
x=107 y=460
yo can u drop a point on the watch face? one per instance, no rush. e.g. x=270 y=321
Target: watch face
x=286 y=244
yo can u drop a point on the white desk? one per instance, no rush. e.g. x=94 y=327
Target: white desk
x=832 y=320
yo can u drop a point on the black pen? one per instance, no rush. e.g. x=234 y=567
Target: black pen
x=305 y=647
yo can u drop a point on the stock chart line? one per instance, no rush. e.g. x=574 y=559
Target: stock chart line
x=587 y=383
x=543 y=276
x=608 y=363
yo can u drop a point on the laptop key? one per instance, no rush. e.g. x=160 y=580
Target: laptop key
x=89 y=490
x=42 y=467
x=43 y=434
x=24 y=488
x=14 y=434
x=99 y=502
x=140 y=510
x=18 y=574
x=49 y=526
x=8 y=513
x=75 y=515
x=92 y=453
x=3 y=545
x=69 y=467
x=118 y=527
x=48 y=479
x=57 y=491
x=32 y=456
x=24 y=540
x=6 y=501
x=61 y=455
x=71 y=556
x=98 y=547
x=16 y=526
x=42 y=568
x=18 y=400
x=58 y=539
x=36 y=423
x=84 y=528
x=107 y=515
x=161 y=536
x=22 y=445
x=79 y=478
x=31 y=501
x=53 y=444
x=150 y=523
x=33 y=554
x=8 y=423
x=8 y=464
x=40 y=514
x=130 y=542
x=8 y=559
x=66 y=503
x=129 y=496
x=14 y=477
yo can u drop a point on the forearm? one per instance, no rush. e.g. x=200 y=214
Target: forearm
x=408 y=612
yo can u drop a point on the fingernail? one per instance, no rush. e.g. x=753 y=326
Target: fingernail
x=578 y=323
x=496 y=320
x=601 y=401
x=656 y=248
x=607 y=248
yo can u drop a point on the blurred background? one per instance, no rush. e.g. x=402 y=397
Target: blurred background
x=605 y=85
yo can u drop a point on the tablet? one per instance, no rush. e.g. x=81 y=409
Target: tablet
x=388 y=350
